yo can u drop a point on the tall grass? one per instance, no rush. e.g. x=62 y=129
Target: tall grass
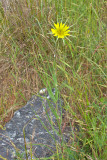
x=32 y=58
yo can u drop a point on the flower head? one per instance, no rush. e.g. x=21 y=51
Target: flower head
x=61 y=30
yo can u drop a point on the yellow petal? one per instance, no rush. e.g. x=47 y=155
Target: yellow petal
x=56 y=25
x=61 y=30
x=53 y=31
x=66 y=27
x=61 y=25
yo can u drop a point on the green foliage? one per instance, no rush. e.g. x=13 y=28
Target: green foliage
x=74 y=66
x=93 y=135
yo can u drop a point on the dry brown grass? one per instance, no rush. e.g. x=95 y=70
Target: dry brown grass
x=16 y=91
x=27 y=62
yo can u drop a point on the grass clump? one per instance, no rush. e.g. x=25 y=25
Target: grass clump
x=32 y=58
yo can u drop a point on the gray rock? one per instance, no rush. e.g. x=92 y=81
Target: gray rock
x=39 y=120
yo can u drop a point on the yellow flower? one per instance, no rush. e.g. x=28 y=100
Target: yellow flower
x=61 y=30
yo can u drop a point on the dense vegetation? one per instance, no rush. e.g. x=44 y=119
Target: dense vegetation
x=32 y=58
